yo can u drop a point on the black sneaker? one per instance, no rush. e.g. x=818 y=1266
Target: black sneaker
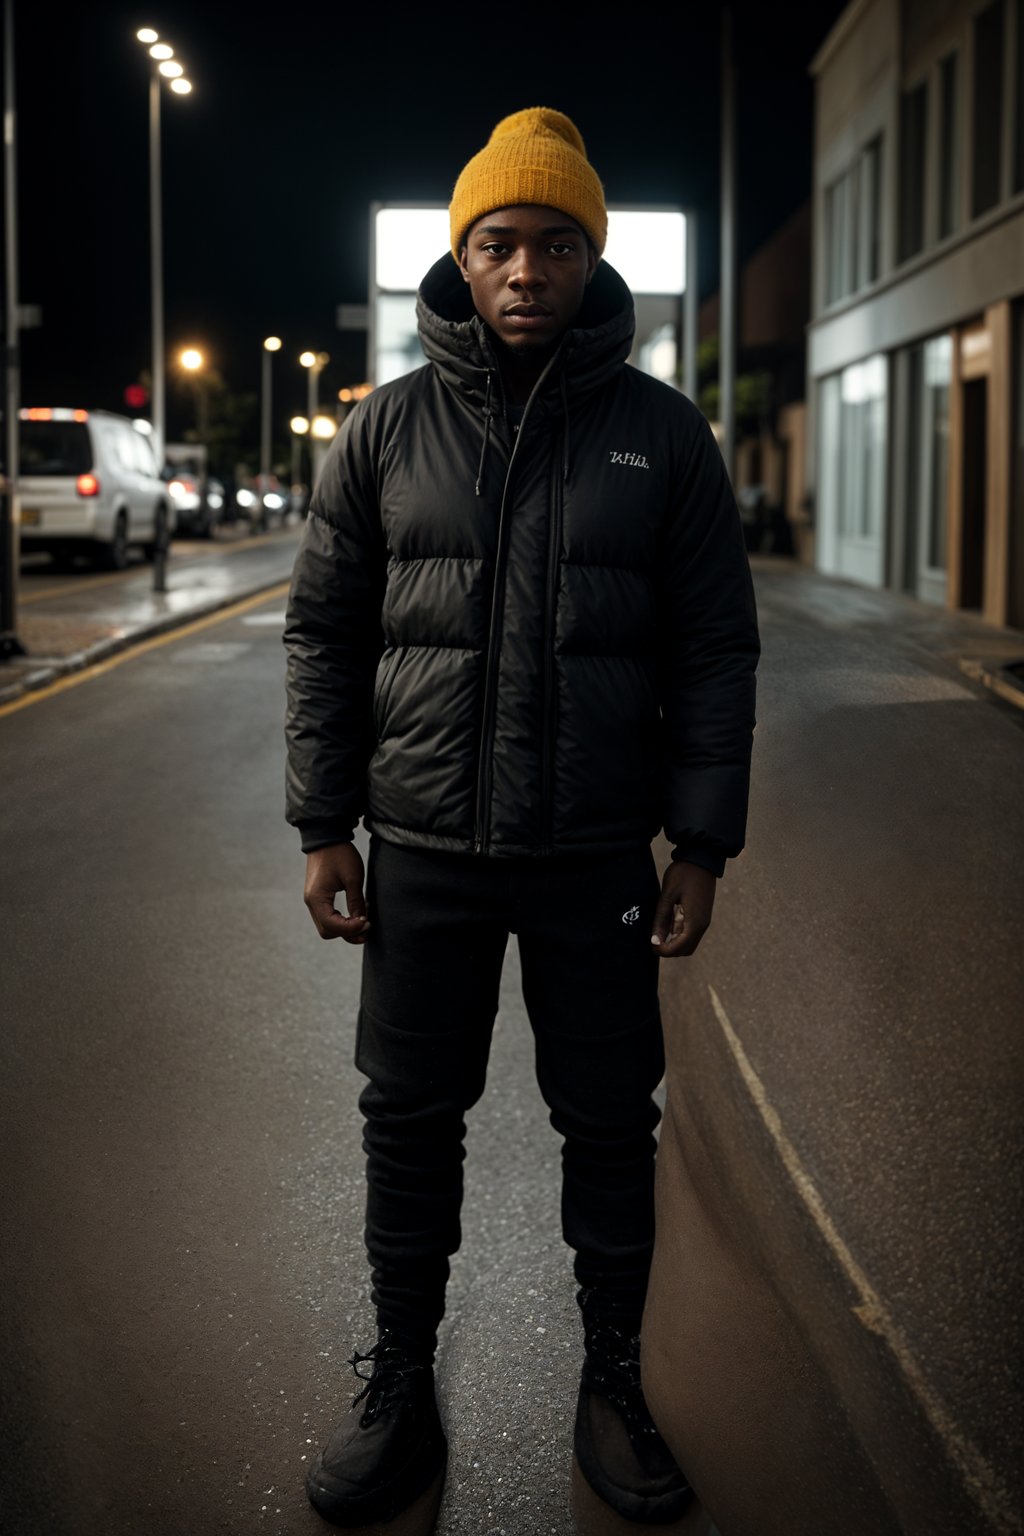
x=390 y=1446
x=618 y=1447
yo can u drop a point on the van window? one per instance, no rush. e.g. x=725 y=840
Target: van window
x=144 y=455
x=54 y=448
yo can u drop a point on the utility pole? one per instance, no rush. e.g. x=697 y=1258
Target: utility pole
x=690 y=309
x=727 y=280
x=10 y=542
x=156 y=256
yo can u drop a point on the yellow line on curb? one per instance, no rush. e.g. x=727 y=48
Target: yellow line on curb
x=88 y=583
x=98 y=668
x=85 y=584
x=981 y=1479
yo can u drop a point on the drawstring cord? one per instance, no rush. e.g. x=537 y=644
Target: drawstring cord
x=489 y=417
x=488 y=413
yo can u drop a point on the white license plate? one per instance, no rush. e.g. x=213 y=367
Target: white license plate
x=31 y=517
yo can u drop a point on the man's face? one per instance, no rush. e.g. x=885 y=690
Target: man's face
x=527 y=268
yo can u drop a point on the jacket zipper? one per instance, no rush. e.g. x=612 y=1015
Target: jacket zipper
x=550 y=699
x=484 y=775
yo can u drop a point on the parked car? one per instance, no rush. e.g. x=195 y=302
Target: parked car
x=90 y=484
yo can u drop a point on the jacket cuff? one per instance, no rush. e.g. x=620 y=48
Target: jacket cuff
x=322 y=834
x=704 y=858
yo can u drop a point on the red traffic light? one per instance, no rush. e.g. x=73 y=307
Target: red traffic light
x=136 y=396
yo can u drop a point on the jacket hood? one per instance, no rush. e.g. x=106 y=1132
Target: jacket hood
x=458 y=343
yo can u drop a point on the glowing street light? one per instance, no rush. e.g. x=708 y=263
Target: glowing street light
x=271 y=345
x=315 y=362
x=191 y=359
x=323 y=427
x=300 y=429
x=163 y=55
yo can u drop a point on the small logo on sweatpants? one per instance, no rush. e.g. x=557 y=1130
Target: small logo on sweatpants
x=631 y=916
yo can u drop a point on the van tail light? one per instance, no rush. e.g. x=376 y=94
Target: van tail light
x=87 y=485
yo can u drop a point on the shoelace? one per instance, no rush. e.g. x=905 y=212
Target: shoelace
x=384 y=1382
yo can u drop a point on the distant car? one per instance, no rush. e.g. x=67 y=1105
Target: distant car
x=198 y=500
x=90 y=484
x=275 y=502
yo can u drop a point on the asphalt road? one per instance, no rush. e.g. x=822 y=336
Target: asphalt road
x=182 y=1265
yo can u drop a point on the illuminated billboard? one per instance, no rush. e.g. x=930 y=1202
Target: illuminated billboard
x=647 y=246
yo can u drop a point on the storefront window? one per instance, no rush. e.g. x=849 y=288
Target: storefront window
x=862 y=450
x=927 y=467
x=938 y=362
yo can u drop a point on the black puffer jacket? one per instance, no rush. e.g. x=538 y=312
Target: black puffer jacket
x=531 y=642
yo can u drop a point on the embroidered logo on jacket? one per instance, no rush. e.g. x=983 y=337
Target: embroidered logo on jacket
x=637 y=460
x=631 y=916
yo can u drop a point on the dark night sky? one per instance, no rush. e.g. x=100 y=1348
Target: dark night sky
x=302 y=115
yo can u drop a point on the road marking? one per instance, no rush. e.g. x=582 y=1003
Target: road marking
x=266 y=618
x=981 y=1480
x=98 y=668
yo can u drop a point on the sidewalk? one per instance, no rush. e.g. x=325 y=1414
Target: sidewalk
x=68 y=620
x=986 y=654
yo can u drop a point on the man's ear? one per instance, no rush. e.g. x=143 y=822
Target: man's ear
x=462 y=263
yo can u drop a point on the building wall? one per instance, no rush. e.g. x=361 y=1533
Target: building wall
x=918 y=267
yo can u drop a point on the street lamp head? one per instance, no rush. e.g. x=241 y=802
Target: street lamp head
x=273 y=344
x=161 y=51
x=299 y=425
x=307 y=359
x=147 y=35
x=324 y=427
x=181 y=87
x=191 y=359
x=171 y=69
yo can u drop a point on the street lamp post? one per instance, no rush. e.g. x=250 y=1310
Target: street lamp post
x=314 y=363
x=270 y=346
x=165 y=68
x=300 y=428
x=194 y=363
x=10 y=553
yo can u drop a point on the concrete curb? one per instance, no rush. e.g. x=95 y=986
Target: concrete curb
x=51 y=669
x=999 y=676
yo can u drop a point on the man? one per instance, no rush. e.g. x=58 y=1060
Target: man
x=522 y=640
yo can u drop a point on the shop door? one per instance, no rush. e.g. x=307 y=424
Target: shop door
x=974 y=491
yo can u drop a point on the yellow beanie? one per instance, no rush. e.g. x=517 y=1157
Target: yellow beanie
x=534 y=156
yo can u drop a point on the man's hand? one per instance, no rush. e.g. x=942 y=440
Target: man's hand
x=328 y=871
x=683 y=914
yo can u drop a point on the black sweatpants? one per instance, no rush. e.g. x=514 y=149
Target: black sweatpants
x=431 y=968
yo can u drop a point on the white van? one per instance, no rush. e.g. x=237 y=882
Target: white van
x=89 y=483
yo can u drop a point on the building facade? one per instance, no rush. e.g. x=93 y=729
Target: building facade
x=916 y=342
